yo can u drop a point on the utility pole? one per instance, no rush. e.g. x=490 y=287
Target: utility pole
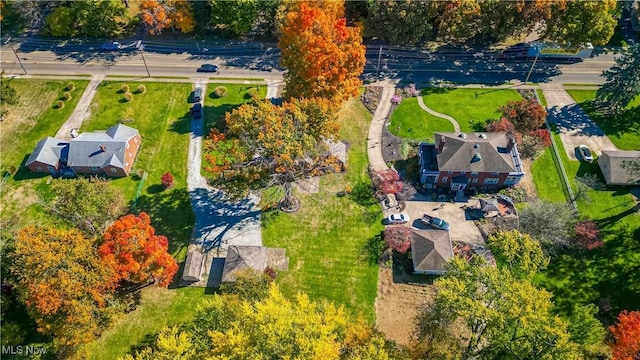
x=16 y=54
x=532 y=65
x=379 y=58
x=140 y=46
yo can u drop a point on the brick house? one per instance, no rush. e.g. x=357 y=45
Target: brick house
x=109 y=153
x=470 y=161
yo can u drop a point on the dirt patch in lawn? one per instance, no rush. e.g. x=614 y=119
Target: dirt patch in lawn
x=526 y=182
x=397 y=305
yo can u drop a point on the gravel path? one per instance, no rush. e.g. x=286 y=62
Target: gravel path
x=80 y=112
x=424 y=107
x=574 y=125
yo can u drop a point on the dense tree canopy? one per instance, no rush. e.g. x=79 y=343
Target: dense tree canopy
x=521 y=254
x=525 y=115
x=623 y=81
x=236 y=17
x=273 y=328
x=136 y=253
x=483 y=312
x=400 y=22
x=88 y=203
x=551 y=223
x=323 y=56
x=92 y=18
x=579 y=22
x=64 y=284
x=267 y=144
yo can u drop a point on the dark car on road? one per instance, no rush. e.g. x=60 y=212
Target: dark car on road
x=197 y=94
x=196 y=111
x=208 y=68
x=111 y=46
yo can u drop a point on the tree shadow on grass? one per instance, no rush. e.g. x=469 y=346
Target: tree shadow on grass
x=625 y=122
x=581 y=277
x=171 y=216
x=182 y=125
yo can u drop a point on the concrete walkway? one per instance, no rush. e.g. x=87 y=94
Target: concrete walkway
x=374 y=140
x=220 y=222
x=574 y=125
x=80 y=112
x=424 y=107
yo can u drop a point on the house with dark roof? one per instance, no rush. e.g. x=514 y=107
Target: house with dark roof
x=610 y=163
x=109 y=153
x=430 y=251
x=461 y=161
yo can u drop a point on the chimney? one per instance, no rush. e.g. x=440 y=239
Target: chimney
x=510 y=144
x=103 y=148
x=441 y=144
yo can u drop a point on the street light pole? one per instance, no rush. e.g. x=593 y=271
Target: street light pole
x=141 y=47
x=379 y=58
x=16 y=54
x=532 y=65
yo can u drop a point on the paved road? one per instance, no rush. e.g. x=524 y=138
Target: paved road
x=574 y=125
x=252 y=59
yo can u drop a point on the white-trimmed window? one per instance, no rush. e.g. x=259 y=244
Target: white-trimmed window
x=94 y=168
x=127 y=144
x=114 y=170
x=474 y=180
x=444 y=179
x=491 y=181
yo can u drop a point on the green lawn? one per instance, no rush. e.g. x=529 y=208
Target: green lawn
x=470 y=107
x=623 y=130
x=543 y=100
x=408 y=120
x=611 y=272
x=161 y=115
x=29 y=121
x=159 y=308
x=325 y=239
x=215 y=108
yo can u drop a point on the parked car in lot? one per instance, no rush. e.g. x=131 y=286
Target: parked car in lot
x=395 y=219
x=111 y=46
x=434 y=222
x=208 y=68
x=196 y=111
x=197 y=94
x=585 y=153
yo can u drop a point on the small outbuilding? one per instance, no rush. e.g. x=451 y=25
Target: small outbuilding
x=611 y=164
x=430 y=251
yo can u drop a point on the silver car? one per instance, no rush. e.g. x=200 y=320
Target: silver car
x=585 y=152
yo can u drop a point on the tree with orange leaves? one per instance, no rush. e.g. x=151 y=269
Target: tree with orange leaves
x=65 y=286
x=137 y=254
x=158 y=15
x=323 y=56
x=267 y=145
x=626 y=333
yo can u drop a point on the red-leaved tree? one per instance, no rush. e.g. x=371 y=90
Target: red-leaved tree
x=526 y=115
x=626 y=335
x=137 y=254
x=588 y=235
x=398 y=238
x=167 y=180
x=506 y=126
x=388 y=181
x=542 y=135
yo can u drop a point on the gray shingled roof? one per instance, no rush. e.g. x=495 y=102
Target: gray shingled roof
x=458 y=152
x=48 y=151
x=85 y=149
x=613 y=173
x=487 y=205
x=243 y=257
x=431 y=250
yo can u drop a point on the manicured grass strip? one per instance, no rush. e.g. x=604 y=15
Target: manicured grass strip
x=409 y=120
x=161 y=115
x=623 y=130
x=547 y=178
x=324 y=240
x=159 y=308
x=470 y=107
x=215 y=108
x=543 y=100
